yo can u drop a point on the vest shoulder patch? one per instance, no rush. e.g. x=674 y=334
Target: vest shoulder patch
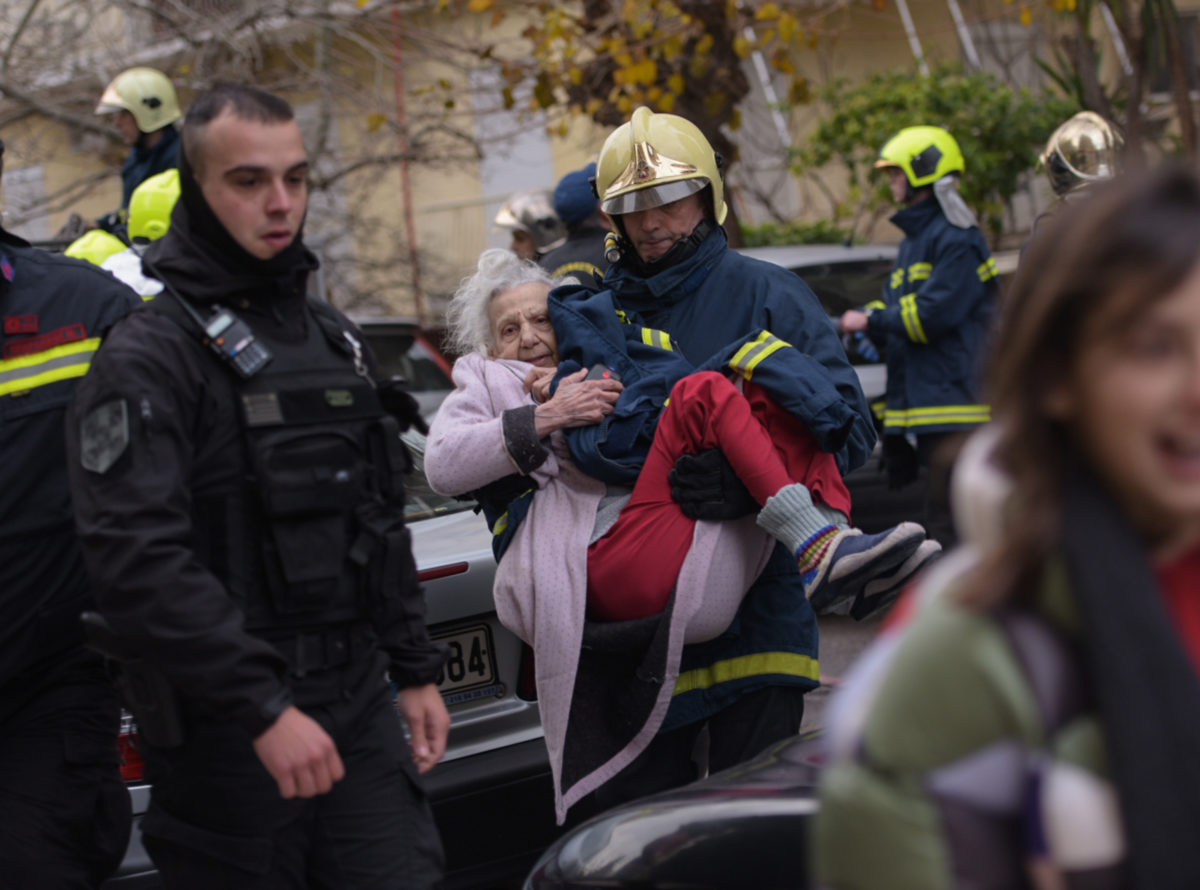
x=103 y=436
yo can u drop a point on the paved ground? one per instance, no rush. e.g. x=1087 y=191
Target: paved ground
x=842 y=639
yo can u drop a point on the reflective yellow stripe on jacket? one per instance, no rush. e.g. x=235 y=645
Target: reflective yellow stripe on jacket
x=26 y=372
x=913 y=418
x=912 y=321
x=915 y=272
x=753 y=352
x=790 y=663
x=987 y=271
x=919 y=272
x=661 y=339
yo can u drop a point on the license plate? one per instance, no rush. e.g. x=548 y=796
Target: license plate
x=470 y=672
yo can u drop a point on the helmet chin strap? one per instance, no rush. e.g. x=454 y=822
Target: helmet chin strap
x=678 y=252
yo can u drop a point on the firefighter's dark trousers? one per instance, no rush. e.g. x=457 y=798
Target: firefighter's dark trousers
x=64 y=811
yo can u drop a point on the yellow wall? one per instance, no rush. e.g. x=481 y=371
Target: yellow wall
x=90 y=162
x=448 y=202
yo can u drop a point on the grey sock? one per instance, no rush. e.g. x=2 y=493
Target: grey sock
x=790 y=516
x=836 y=518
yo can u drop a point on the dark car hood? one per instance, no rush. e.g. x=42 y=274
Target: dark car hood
x=746 y=826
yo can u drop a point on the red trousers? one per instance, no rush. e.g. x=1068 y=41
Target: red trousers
x=632 y=569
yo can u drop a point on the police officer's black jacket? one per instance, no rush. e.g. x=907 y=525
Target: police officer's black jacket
x=177 y=518
x=581 y=255
x=55 y=310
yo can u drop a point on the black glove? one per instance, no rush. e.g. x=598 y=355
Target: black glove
x=115 y=223
x=899 y=460
x=399 y=402
x=706 y=487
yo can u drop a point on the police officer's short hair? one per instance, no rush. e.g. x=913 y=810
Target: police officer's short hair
x=248 y=102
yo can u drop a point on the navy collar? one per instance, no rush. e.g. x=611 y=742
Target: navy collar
x=668 y=285
x=916 y=217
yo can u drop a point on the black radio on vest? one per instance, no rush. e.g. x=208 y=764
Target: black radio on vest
x=231 y=338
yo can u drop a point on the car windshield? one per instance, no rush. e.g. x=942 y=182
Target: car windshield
x=399 y=352
x=421 y=501
x=846 y=285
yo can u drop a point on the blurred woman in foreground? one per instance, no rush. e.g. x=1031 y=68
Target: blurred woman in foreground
x=1036 y=723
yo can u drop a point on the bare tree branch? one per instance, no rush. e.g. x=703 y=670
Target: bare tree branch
x=63 y=199
x=16 y=35
x=39 y=105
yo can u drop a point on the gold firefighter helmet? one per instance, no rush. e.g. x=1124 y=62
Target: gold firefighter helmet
x=1084 y=149
x=657 y=159
x=146 y=93
x=532 y=211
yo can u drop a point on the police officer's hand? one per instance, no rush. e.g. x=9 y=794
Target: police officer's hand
x=577 y=402
x=428 y=723
x=299 y=755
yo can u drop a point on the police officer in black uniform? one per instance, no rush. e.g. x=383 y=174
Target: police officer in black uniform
x=64 y=811
x=583 y=255
x=238 y=492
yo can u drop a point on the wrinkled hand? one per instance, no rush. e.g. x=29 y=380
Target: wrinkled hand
x=537 y=382
x=706 y=487
x=853 y=321
x=299 y=755
x=428 y=723
x=577 y=402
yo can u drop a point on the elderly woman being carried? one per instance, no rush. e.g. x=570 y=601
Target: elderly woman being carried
x=575 y=549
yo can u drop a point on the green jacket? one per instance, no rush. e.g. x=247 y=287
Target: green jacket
x=962 y=755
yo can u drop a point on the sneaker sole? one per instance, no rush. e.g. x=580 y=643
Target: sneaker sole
x=848 y=578
x=880 y=593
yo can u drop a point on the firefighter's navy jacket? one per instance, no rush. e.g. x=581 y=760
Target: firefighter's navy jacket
x=934 y=321
x=592 y=331
x=55 y=311
x=188 y=515
x=143 y=163
x=710 y=306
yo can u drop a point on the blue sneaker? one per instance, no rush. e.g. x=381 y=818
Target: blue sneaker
x=853 y=560
x=879 y=593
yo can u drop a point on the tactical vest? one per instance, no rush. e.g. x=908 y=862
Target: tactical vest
x=314 y=535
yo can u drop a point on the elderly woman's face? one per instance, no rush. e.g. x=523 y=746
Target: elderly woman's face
x=520 y=325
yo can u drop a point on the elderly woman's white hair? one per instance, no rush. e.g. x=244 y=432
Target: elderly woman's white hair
x=467 y=315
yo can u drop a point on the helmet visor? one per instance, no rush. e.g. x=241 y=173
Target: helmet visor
x=653 y=196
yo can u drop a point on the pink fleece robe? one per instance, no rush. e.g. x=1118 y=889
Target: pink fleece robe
x=541 y=582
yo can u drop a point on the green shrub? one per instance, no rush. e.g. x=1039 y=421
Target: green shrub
x=1001 y=130
x=821 y=232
